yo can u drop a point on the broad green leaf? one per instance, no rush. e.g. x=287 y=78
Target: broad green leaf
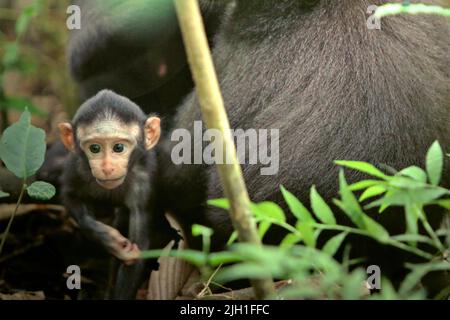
x=296 y=207
x=349 y=205
x=41 y=190
x=434 y=163
x=321 y=208
x=22 y=147
x=372 y=192
x=333 y=245
x=415 y=173
x=363 y=167
x=364 y=184
x=307 y=233
x=199 y=230
x=269 y=210
x=222 y=203
x=3 y=194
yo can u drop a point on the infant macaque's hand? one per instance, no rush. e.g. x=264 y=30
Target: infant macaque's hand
x=120 y=247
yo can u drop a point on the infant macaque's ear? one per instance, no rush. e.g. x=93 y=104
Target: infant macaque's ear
x=66 y=135
x=152 y=131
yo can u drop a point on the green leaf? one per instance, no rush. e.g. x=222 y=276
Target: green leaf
x=199 y=230
x=196 y=258
x=269 y=210
x=363 y=167
x=223 y=257
x=415 y=173
x=418 y=272
x=222 y=203
x=364 y=184
x=443 y=203
x=372 y=192
x=333 y=245
x=307 y=232
x=41 y=190
x=412 y=218
x=263 y=228
x=290 y=239
x=375 y=229
x=232 y=238
x=406 y=183
x=434 y=163
x=242 y=271
x=404 y=197
x=3 y=194
x=22 y=147
x=296 y=207
x=320 y=208
x=349 y=205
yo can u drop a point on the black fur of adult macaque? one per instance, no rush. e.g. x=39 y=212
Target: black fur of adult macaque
x=137 y=52
x=336 y=91
x=112 y=172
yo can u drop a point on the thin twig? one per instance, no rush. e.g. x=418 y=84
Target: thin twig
x=5 y=234
x=214 y=114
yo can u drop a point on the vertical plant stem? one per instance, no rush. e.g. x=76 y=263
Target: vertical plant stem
x=432 y=234
x=5 y=234
x=214 y=115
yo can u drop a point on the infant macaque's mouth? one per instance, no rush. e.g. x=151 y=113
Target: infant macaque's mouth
x=110 y=180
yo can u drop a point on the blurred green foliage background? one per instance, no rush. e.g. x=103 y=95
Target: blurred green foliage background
x=33 y=67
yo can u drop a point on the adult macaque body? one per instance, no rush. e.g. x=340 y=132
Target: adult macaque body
x=335 y=90
x=111 y=170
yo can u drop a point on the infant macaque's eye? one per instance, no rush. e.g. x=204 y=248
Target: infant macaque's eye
x=95 y=148
x=118 y=148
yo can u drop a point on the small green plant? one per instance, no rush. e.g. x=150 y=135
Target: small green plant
x=298 y=257
x=22 y=150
